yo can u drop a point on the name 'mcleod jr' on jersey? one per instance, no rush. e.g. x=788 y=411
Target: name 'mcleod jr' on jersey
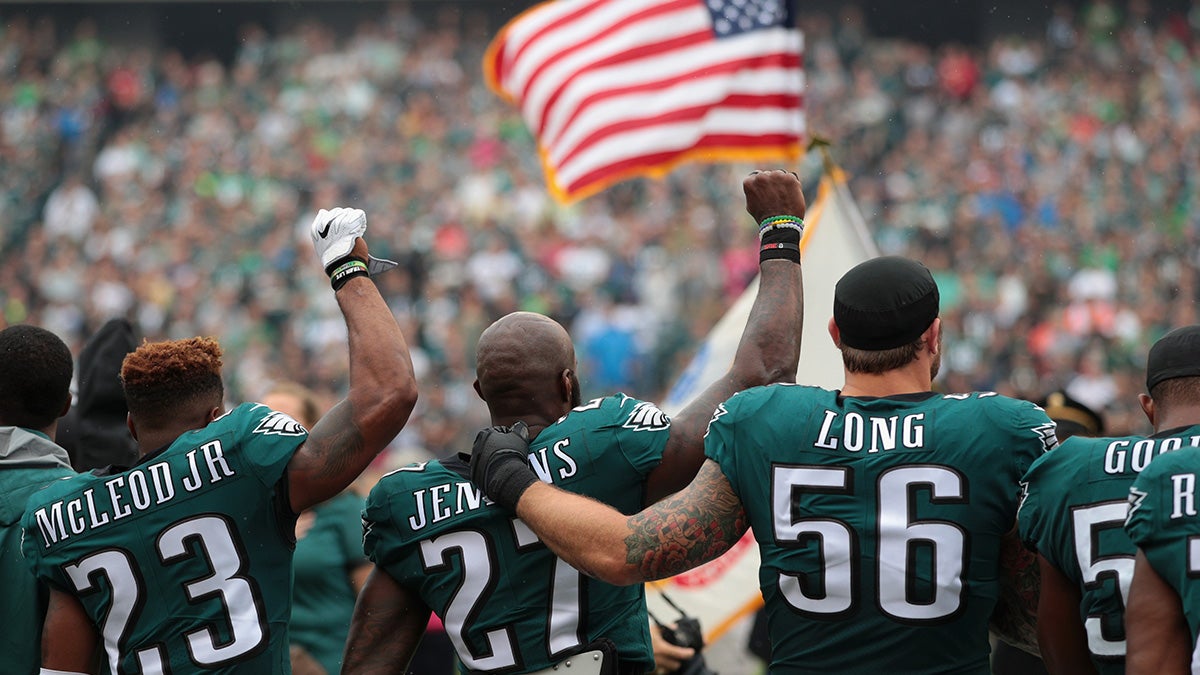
x=183 y=562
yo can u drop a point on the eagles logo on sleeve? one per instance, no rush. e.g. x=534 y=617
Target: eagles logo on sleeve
x=1023 y=494
x=647 y=417
x=717 y=414
x=1048 y=434
x=1136 y=497
x=280 y=424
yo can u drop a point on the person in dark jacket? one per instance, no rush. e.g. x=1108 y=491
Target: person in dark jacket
x=94 y=432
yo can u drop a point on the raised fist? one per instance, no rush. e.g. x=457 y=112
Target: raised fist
x=773 y=193
x=334 y=234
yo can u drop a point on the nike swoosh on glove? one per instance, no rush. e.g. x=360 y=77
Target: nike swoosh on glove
x=334 y=231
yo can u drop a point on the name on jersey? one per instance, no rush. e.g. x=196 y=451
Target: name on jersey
x=1126 y=456
x=871 y=434
x=441 y=502
x=132 y=492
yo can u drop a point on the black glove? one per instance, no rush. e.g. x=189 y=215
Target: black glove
x=500 y=464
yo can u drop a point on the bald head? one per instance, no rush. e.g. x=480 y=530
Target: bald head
x=522 y=355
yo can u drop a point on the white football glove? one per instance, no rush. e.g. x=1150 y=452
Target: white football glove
x=334 y=231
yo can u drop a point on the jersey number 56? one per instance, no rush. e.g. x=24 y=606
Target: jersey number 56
x=834 y=593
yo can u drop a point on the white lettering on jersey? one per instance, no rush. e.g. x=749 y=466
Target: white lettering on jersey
x=1183 y=486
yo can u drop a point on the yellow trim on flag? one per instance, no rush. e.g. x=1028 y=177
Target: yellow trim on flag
x=493 y=48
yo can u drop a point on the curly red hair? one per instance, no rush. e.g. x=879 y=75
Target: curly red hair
x=162 y=378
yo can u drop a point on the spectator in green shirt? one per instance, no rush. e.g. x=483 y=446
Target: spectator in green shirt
x=329 y=564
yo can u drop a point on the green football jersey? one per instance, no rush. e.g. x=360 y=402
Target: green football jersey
x=879 y=520
x=184 y=561
x=29 y=460
x=1164 y=524
x=507 y=602
x=323 y=596
x=1073 y=514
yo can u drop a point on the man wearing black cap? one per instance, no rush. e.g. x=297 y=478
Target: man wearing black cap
x=879 y=509
x=1163 y=613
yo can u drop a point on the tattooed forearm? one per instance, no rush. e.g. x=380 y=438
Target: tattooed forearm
x=687 y=529
x=1015 y=615
x=336 y=442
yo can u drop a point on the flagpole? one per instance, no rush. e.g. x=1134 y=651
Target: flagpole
x=822 y=144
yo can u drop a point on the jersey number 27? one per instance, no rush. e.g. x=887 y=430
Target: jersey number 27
x=480 y=574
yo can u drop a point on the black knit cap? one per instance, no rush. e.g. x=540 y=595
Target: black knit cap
x=1176 y=354
x=884 y=303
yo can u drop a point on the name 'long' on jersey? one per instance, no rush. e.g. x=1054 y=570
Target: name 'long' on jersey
x=184 y=561
x=1164 y=523
x=879 y=520
x=1073 y=514
x=507 y=602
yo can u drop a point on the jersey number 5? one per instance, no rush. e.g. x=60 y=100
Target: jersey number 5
x=218 y=543
x=900 y=538
x=1106 y=637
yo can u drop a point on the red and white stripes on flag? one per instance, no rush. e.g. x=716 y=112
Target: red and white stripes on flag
x=617 y=88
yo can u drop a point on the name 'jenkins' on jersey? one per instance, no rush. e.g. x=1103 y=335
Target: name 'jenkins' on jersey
x=507 y=602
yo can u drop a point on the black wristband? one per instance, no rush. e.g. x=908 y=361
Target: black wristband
x=342 y=271
x=780 y=244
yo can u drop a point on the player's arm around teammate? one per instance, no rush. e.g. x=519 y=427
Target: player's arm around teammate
x=384 y=631
x=768 y=352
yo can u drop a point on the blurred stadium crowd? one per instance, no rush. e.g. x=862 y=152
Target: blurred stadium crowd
x=1049 y=179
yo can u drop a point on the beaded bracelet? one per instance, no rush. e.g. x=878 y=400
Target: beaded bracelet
x=780 y=238
x=780 y=222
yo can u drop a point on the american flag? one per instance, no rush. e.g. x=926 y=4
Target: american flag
x=612 y=89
